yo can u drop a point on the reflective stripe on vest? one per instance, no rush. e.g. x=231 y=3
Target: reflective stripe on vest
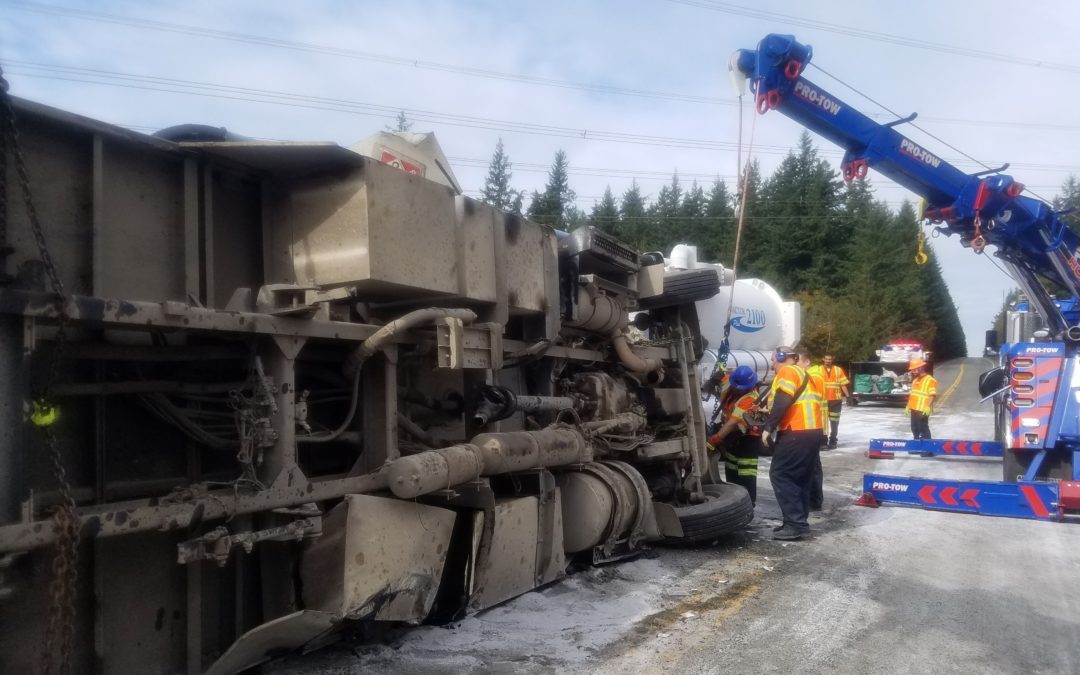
x=806 y=412
x=921 y=391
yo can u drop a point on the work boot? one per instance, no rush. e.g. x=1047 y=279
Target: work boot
x=787 y=533
x=832 y=444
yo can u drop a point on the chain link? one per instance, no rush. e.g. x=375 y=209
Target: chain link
x=63 y=587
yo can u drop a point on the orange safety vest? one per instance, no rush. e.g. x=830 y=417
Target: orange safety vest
x=921 y=390
x=835 y=378
x=806 y=412
x=737 y=409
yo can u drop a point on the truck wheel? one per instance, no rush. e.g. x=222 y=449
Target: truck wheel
x=727 y=508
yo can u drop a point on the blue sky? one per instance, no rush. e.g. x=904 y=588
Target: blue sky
x=384 y=56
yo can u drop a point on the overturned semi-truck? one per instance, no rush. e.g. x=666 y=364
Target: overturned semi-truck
x=280 y=389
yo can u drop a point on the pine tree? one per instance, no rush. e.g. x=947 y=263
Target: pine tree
x=401 y=123
x=552 y=206
x=801 y=202
x=692 y=217
x=1070 y=199
x=497 y=191
x=665 y=228
x=605 y=214
x=718 y=222
x=633 y=219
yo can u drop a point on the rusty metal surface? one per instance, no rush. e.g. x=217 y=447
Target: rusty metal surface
x=191 y=508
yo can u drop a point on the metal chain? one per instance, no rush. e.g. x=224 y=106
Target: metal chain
x=65 y=573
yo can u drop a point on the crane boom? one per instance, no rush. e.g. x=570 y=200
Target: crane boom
x=982 y=208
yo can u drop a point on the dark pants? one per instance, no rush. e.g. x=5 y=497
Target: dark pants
x=834 y=419
x=741 y=463
x=817 y=481
x=791 y=472
x=920 y=425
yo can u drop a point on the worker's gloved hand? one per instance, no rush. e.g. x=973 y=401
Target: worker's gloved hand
x=926 y=414
x=713 y=441
x=768 y=438
x=851 y=400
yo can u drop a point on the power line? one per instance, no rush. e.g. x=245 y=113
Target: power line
x=247 y=38
x=875 y=36
x=251 y=95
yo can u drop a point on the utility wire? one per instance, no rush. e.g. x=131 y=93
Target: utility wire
x=247 y=38
x=916 y=126
x=247 y=94
x=183 y=29
x=875 y=36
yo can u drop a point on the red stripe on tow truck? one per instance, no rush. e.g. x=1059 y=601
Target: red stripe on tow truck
x=1034 y=501
x=947 y=447
x=976 y=448
x=926 y=494
x=968 y=497
x=947 y=496
x=962 y=448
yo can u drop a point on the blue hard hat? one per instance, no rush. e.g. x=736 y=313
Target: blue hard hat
x=743 y=377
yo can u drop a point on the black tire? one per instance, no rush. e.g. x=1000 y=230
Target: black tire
x=684 y=287
x=727 y=508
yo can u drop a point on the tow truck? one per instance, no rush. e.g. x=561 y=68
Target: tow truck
x=1039 y=382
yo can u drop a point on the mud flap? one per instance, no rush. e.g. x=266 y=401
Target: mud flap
x=667 y=520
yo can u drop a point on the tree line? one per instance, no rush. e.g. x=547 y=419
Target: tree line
x=846 y=256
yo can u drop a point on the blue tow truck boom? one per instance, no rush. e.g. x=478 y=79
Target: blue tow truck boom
x=1042 y=447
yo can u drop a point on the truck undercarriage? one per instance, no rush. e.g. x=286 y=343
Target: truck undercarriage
x=289 y=387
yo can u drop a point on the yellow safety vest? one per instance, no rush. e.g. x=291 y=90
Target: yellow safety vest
x=921 y=390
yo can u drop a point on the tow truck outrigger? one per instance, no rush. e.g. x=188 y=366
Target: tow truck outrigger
x=1042 y=380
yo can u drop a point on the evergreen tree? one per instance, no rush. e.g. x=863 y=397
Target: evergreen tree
x=552 y=206
x=692 y=218
x=632 y=217
x=801 y=202
x=605 y=214
x=1070 y=199
x=497 y=190
x=666 y=228
x=759 y=246
x=401 y=123
x=717 y=239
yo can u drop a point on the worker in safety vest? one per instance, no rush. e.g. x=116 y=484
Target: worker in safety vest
x=836 y=390
x=817 y=477
x=794 y=432
x=921 y=400
x=737 y=440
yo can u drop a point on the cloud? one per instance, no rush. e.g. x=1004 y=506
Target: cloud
x=635 y=44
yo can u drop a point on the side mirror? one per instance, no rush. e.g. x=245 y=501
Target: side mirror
x=993 y=381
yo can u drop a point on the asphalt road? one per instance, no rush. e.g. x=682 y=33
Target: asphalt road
x=889 y=590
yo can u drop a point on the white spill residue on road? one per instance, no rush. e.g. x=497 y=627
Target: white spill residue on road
x=567 y=626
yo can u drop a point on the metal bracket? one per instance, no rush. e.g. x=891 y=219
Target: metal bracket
x=478 y=346
x=217 y=544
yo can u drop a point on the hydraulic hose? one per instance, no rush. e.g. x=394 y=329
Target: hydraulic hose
x=373 y=345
